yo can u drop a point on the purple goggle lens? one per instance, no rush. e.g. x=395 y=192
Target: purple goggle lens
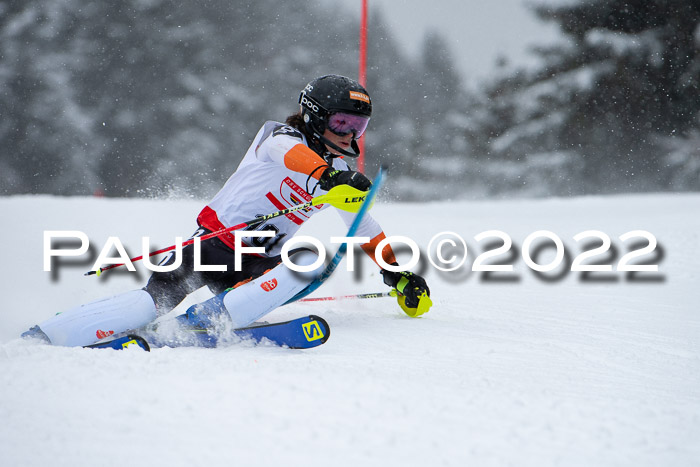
x=344 y=123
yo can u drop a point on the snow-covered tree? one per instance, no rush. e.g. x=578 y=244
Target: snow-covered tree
x=605 y=103
x=142 y=97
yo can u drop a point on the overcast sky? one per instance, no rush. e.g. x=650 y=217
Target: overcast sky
x=478 y=31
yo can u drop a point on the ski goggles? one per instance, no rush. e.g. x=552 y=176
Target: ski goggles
x=342 y=124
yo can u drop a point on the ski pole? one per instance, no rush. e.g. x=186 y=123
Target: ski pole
x=342 y=249
x=392 y=293
x=342 y=197
x=424 y=301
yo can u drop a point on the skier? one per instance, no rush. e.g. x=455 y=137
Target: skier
x=285 y=165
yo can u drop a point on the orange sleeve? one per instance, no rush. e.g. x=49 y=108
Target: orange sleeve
x=387 y=252
x=303 y=160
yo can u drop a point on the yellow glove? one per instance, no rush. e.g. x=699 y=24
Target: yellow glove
x=424 y=304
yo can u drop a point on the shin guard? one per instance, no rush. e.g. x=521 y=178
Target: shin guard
x=259 y=297
x=93 y=321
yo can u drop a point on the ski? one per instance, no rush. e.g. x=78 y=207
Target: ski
x=300 y=333
x=121 y=343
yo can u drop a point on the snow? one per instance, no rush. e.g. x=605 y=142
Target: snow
x=519 y=372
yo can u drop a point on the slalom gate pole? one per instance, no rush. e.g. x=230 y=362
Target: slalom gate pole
x=343 y=197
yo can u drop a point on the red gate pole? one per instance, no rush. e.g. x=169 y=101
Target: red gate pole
x=363 y=75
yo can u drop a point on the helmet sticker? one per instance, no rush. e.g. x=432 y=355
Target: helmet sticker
x=358 y=96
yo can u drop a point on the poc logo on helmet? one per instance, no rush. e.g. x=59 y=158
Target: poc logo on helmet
x=306 y=102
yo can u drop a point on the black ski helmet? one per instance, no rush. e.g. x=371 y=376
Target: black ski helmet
x=329 y=94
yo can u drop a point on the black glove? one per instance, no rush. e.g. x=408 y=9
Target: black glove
x=332 y=177
x=407 y=283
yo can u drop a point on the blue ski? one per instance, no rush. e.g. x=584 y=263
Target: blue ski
x=301 y=333
x=123 y=342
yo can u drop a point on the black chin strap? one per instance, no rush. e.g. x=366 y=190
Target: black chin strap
x=353 y=146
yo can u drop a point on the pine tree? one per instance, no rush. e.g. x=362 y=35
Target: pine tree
x=141 y=98
x=606 y=102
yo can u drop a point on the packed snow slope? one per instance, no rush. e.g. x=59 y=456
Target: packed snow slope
x=507 y=369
